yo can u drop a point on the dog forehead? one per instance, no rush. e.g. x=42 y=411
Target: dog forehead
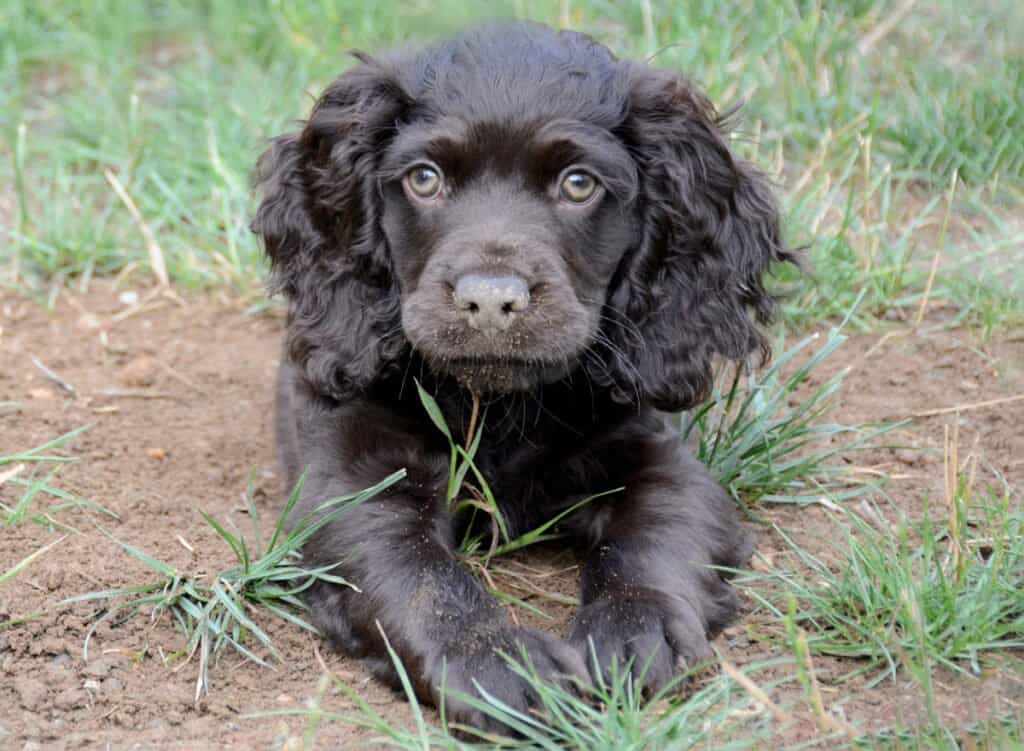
x=516 y=73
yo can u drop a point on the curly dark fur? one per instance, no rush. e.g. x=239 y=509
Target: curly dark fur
x=632 y=294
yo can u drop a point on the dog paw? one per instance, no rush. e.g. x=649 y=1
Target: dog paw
x=656 y=634
x=474 y=665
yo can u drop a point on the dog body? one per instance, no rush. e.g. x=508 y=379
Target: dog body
x=517 y=215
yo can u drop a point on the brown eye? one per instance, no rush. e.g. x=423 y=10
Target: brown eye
x=578 y=186
x=424 y=181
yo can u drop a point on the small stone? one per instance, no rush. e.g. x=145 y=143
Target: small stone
x=284 y=699
x=91 y=684
x=43 y=395
x=32 y=746
x=128 y=297
x=141 y=371
x=53 y=581
x=156 y=453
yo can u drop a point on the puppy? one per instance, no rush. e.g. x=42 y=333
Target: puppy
x=514 y=214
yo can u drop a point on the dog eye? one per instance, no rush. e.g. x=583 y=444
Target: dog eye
x=578 y=186
x=424 y=181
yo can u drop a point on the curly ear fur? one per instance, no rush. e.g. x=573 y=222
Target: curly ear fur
x=693 y=287
x=319 y=220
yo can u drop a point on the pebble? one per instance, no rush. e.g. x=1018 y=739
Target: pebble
x=140 y=371
x=55 y=580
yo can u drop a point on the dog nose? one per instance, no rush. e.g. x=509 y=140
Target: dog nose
x=489 y=303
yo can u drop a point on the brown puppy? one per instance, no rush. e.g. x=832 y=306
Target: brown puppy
x=518 y=214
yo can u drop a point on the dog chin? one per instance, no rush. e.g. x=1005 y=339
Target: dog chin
x=500 y=376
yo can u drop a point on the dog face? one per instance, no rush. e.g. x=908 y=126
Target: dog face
x=517 y=206
x=504 y=236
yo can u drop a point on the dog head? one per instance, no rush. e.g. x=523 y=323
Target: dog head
x=517 y=206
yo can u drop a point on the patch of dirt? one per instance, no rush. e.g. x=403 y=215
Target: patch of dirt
x=178 y=396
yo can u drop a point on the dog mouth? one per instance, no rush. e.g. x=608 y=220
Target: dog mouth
x=502 y=374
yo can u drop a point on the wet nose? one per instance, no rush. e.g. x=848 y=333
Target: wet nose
x=489 y=302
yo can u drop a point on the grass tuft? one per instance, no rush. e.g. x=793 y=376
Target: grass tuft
x=762 y=433
x=912 y=596
x=609 y=716
x=21 y=469
x=220 y=614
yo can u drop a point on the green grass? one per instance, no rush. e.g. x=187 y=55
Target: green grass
x=767 y=441
x=912 y=596
x=475 y=494
x=26 y=471
x=176 y=100
x=718 y=712
x=215 y=615
x=1000 y=734
x=609 y=716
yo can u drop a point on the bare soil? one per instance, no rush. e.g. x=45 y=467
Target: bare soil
x=178 y=395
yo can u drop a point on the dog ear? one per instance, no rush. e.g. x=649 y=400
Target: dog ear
x=693 y=287
x=319 y=221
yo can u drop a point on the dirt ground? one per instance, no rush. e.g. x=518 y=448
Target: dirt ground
x=177 y=391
